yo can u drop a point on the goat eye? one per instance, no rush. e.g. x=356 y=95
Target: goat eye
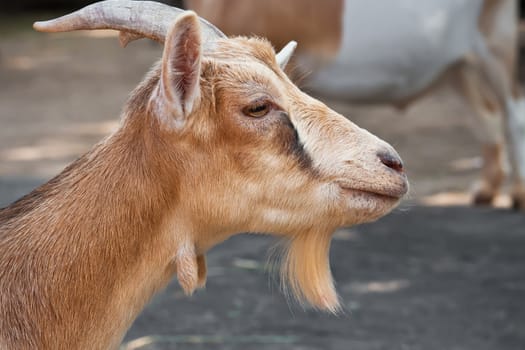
x=257 y=110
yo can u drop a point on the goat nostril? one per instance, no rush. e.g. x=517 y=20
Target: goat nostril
x=390 y=160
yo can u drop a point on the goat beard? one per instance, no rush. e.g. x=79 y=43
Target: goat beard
x=305 y=270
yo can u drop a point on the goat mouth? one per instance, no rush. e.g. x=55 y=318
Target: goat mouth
x=393 y=194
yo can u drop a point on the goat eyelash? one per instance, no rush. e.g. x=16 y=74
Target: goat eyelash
x=258 y=109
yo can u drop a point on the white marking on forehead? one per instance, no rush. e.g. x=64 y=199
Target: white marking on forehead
x=247 y=64
x=271 y=82
x=257 y=67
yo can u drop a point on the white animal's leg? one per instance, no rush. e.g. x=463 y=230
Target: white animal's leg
x=517 y=131
x=501 y=83
x=489 y=130
x=492 y=174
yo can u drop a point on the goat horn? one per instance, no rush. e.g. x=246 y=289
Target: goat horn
x=134 y=20
x=285 y=54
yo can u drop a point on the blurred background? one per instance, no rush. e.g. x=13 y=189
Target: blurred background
x=435 y=274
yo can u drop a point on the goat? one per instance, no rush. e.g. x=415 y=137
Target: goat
x=216 y=140
x=394 y=52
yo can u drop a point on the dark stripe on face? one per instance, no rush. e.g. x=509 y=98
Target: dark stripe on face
x=293 y=146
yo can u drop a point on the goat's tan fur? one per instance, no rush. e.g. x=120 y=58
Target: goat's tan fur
x=82 y=254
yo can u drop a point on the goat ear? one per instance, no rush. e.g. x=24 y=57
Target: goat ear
x=181 y=67
x=285 y=54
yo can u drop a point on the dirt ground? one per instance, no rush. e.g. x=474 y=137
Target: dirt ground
x=421 y=278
